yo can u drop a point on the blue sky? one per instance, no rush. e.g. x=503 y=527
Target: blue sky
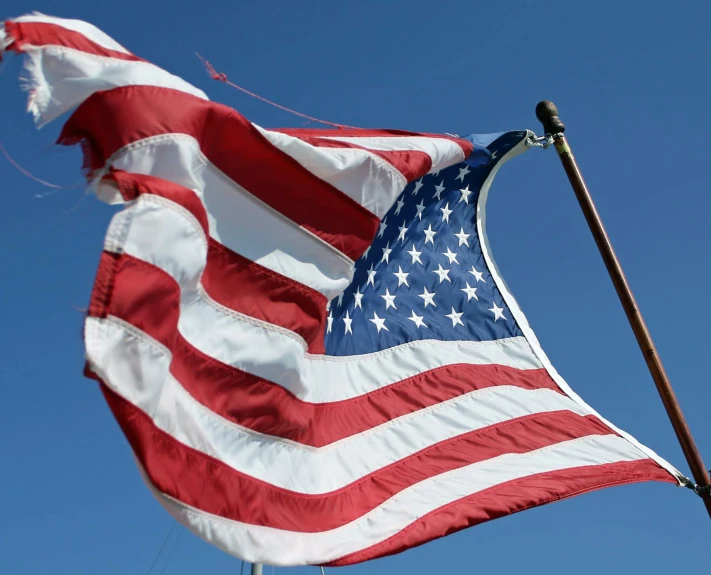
x=632 y=86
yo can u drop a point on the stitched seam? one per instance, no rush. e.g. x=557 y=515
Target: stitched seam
x=417 y=342
x=211 y=361
x=170 y=204
x=202 y=294
x=259 y=268
x=399 y=421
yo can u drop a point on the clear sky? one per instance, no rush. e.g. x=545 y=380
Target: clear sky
x=631 y=80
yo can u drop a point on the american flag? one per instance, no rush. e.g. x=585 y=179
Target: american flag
x=302 y=333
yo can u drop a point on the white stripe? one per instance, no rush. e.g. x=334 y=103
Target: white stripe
x=522 y=321
x=5 y=40
x=444 y=152
x=237 y=219
x=256 y=543
x=321 y=379
x=368 y=179
x=84 y=28
x=154 y=230
x=60 y=78
x=138 y=368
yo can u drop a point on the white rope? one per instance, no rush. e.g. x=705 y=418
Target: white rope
x=172 y=550
x=155 y=560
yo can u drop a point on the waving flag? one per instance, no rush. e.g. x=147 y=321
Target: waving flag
x=303 y=333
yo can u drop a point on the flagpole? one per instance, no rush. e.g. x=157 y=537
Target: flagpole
x=547 y=114
x=257 y=568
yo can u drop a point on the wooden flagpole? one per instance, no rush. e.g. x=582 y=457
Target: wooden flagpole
x=547 y=114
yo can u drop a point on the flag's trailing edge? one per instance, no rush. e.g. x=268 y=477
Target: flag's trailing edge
x=278 y=426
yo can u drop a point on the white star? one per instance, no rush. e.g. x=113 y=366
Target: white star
x=401 y=277
x=463 y=172
x=466 y=192
x=477 y=274
x=340 y=299
x=379 y=322
x=451 y=256
x=389 y=300
x=403 y=229
x=365 y=253
x=443 y=274
x=381 y=229
x=371 y=276
x=420 y=208
x=438 y=190
x=330 y=322
x=445 y=213
x=415 y=255
x=400 y=204
x=386 y=254
x=418 y=185
x=433 y=174
x=428 y=297
x=429 y=234
x=493 y=154
x=455 y=317
x=498 y=312
x=463 y=238
x=418 y=319
x=358 y=297
x=348 y=321
x=470 y=291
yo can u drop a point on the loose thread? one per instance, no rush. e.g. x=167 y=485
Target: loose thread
x=223 y=78
x=30 y=175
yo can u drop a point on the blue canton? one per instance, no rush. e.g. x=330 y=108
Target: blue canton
x=424 y=276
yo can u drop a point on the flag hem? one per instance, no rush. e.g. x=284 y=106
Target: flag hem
x=522 y=321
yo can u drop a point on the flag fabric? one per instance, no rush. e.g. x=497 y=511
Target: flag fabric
x=302 y=333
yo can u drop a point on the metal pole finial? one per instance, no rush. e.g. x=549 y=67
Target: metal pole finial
x=547 y=114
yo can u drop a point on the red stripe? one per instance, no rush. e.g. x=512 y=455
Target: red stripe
x=132 y=186
x=466 y=146
x=264 y=294
x=233 y=280
x=511 y=497
x=109 y=120
x=206 y=483
x=412 y=164
x=149 y=299
x=45 y=34
x=103 y=290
